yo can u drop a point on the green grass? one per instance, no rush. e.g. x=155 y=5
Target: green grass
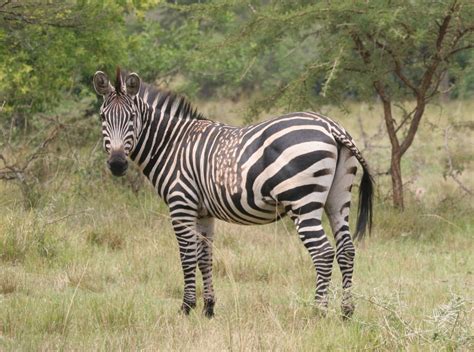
x=94 y=265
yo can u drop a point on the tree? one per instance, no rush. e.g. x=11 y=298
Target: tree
x=396 y=50
x=416 y=51
x=48 y=53
x=49 y=48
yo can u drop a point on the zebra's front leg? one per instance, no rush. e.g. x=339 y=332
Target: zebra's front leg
x=205 y=228
x=184 y=226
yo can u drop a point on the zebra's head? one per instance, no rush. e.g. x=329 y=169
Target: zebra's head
x=120 y=118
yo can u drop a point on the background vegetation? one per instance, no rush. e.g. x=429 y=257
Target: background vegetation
x=88 y=261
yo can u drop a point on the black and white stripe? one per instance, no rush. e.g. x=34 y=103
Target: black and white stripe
x=299 y=165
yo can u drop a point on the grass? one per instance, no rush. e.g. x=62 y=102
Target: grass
x=94 y=265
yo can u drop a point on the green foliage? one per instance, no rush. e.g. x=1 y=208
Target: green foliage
x=51 y=49
x=296 y=53
x=463 y=75
x=300 y=53
x=47 y=49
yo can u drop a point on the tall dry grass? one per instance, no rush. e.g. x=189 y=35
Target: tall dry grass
x=95 y=266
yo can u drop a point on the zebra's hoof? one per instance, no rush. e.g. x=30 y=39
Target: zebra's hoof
x=321 y=310
x=187 y=306
x=347 y=311
x=209 y=308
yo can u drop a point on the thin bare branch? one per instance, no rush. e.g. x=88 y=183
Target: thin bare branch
x=451 y=171
x=5 y=3
x=17 y=171
x=406 y=118
x=64 y=217
x=455 y=51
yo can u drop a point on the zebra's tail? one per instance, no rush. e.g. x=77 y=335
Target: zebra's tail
x=364 y=213
x=366 y=188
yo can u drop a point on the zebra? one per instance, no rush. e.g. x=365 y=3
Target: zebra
x=299 y=164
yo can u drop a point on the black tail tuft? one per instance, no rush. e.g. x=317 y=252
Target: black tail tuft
x=364 y=216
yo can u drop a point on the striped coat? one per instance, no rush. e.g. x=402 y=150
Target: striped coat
x=300 y=165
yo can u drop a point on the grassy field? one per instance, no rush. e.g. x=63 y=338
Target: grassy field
x=89 y=262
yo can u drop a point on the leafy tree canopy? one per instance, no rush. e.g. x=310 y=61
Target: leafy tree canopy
x=49 y=48
x=309 y=50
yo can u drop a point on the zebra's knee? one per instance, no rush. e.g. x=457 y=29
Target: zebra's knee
x=327 y=253
x=349 y=250
x=346 y=251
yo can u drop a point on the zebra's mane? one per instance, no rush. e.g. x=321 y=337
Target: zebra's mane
x=156 y=97
x=174 y=102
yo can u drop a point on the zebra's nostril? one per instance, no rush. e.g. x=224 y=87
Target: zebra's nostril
x=117 y=164
x=118 y=168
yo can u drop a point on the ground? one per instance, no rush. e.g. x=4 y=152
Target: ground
x=89 y=262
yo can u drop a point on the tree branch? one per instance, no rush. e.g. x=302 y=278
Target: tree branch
x=5 y=3
x=452 y=52
x=17 y=171
x=364 y=54
x=53 y=15
x=443 y=28
x=389 y=121
x=427 y=79
x=407 y=116
x=451 y=171
x=434 y=91
x=398 y=66
x=460 y=34
x=379 y=88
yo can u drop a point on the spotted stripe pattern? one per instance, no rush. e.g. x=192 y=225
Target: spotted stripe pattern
x=300 y=165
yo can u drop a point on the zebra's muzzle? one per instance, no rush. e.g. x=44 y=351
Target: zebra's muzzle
x=117 y=163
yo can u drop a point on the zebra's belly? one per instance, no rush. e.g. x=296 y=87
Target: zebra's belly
x=239 y=210
x=260 y=221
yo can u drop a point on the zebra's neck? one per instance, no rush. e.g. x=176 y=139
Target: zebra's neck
x=164 y=128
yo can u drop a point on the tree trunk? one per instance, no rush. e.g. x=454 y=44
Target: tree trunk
x=397 y=184
x=397 y=152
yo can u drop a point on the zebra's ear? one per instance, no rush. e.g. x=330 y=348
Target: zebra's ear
x=132 y=84
x=101 y=83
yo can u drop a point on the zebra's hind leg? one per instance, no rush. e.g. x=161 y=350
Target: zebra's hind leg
x=205 y=228
x=338 y=208
x=307 y=219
